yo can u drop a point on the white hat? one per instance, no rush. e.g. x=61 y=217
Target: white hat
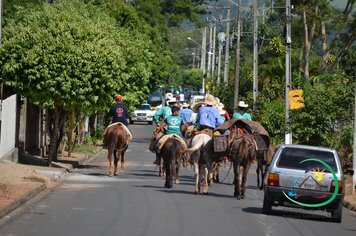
x=242 y=104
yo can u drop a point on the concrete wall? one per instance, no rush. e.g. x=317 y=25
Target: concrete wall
x=8 y=127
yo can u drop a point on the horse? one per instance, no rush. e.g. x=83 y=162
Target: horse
x=264 y=158
x=242 y=152
x=117 y=138
x=171 y=153
x=201 y=155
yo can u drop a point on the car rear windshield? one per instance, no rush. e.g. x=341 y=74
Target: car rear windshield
x=291 y=158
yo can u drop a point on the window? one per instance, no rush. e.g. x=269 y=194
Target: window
x=291 y=158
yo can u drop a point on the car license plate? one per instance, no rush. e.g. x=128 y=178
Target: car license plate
x=141 y=114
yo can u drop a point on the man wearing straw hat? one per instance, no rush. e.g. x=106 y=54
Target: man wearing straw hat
x=186 y=114
x=241 y=112
x=208 y=115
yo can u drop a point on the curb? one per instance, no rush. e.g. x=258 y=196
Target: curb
x=349 y=206
x=22 y=200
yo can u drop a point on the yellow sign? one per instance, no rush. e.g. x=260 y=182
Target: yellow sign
x=296 y=99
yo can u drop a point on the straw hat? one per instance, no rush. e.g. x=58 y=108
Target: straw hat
x=242 y=104
x=208 y=100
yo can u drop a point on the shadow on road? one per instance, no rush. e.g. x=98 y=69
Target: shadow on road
x=289 y=214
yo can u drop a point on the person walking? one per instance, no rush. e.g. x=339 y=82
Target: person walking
x=241 y=112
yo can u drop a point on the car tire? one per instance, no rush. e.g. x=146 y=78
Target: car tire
x=267 y=206
x=131 y=122
x=336 y=216
x=150 y=122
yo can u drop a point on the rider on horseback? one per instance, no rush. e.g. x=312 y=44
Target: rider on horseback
x=173 y=126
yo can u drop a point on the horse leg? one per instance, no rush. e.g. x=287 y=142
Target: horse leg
x=237 y=171
x=204 y=175
x=110 y=154
x=196 y=177
x=176 y=175
x=116 y=160
x=258 y=171
x=244 y=177
x=122 y=161
x=168 y=175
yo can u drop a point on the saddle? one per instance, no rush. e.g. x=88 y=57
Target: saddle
x=164 y=139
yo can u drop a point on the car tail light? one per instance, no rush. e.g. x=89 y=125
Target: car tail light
x=341 y=186
x=273 y=179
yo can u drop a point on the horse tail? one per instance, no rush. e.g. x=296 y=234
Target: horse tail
x=196 y=146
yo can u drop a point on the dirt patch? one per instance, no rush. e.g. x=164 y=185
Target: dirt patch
x=17 y=181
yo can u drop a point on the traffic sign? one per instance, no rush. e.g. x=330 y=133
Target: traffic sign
x=296 y=99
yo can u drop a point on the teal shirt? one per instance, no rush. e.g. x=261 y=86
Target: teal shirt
x=173 y=124
x=245 y=116
x=163 y=112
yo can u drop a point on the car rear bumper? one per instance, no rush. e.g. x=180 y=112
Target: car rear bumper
x=138 y=118
x=278 y=197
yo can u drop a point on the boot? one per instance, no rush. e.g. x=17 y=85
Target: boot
x=158 y=160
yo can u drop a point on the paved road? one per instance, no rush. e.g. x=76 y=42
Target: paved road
x=135 y=203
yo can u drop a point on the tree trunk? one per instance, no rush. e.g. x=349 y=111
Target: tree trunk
x=57 y=123
x=325 y=49
x=308 y=39
x=71 y=136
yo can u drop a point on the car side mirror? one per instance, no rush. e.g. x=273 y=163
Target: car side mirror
x=348 y=172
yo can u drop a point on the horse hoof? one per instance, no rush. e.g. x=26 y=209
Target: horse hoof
x=177 y=181
x=205 y=193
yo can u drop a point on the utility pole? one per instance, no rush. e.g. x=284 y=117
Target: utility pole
x=210 y=46
x=255 y=55
x=227 y=46
x=354 y=146
x=213 y=52
x=0 y=22
x=288 y=136
x=221 y=39
x=203 y=51
x=237 y=62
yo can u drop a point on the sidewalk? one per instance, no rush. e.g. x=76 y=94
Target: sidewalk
x=19 y=183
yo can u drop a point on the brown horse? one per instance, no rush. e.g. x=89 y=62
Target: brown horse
x=242 y=153
x=117 y=138
x=172 y=154
x=264 y=158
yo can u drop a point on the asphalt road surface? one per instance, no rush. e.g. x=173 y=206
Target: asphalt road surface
x=136 y=203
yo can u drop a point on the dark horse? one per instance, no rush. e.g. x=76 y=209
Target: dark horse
x=264 y=158
x=117 y=138
x=172 y=153
x=242 y=153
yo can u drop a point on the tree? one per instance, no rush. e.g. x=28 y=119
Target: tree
x=69 y=55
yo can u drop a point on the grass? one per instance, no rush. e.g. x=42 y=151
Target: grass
x=85 y=148
x=35 y=179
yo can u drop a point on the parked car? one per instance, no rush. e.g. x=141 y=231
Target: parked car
x=298 y=177
x=143 y=113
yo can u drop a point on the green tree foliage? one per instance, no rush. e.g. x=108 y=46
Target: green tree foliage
x=70 y=55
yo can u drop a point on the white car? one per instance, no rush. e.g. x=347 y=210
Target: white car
x=143 y=113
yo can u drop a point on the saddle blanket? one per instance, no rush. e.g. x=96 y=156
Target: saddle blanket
x=162 y=141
